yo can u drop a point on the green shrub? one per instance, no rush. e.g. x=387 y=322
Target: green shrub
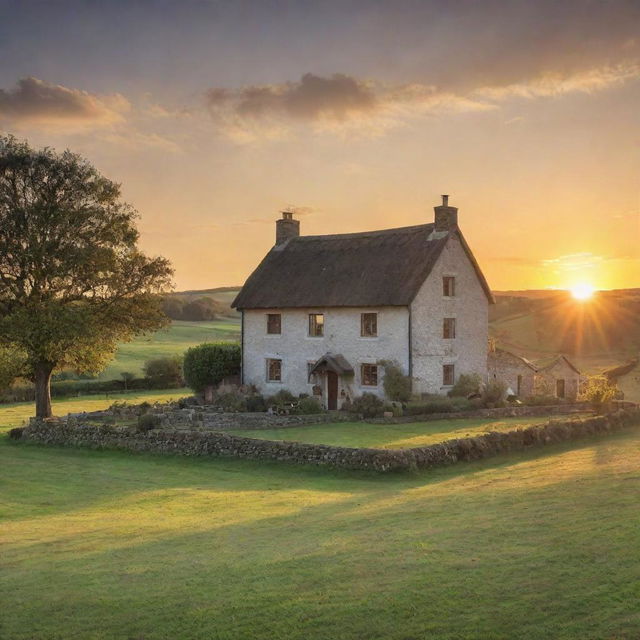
x=368 y=405
x=208 y=364
x=147 y=422
x=493 y=394
x=397 y=385
x=599 y=391
x=281 y=400
x=256 y=403
x=232 y=401
x=308 y=406
x=468 y=384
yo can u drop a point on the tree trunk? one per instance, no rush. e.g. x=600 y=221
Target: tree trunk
x=43 y=389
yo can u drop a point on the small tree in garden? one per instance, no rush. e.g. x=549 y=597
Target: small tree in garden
x=73 y=283
x=397 y=385
x=467 y=385
x=207 y=365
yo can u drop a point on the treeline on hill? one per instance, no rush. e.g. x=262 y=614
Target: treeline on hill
x=196 y=310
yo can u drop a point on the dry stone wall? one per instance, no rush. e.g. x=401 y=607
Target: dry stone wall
x=211 y=443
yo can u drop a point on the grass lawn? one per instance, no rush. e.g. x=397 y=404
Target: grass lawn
x=13 y=415
x=112 y=545
x=174 y=340
x=392 y=436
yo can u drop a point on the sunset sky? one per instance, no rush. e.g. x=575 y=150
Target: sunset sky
x=216 y=115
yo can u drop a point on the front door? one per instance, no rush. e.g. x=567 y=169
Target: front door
x=560 y=388
x=332 y=390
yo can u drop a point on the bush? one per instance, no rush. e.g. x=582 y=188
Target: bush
x=208 y=364
x=468 y=384
x=232 y=401
x=147 y=422
x=599 y=391
x=282 y=400
x=367 y=405
x=256 y=403
x=493 y=394
x=308 y=406
x=16 y=433
x=397 y=386
x=164 y=372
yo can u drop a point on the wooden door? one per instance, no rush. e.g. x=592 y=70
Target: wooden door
x=560 y=388
x=332 y=390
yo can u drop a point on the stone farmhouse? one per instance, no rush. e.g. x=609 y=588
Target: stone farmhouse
x=559 y=378
x=320 y=314
x=515 y=371
x=627 y=379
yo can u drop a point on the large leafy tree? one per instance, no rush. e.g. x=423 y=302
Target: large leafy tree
x=72 y=281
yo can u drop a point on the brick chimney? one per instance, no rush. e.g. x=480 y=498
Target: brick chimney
x=287 y=227
x=446 y=216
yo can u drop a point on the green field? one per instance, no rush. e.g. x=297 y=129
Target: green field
x=391 y=436
x=174 y=340
x=112 y=545
x=15 y=414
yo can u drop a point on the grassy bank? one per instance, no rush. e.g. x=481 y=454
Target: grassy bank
x=106 y=545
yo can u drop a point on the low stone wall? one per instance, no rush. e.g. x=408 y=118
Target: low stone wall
x=502 y=412
x=190 y=418
x=210 y=443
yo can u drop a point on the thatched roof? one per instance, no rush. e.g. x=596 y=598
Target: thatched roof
x=375 y=268
x=336 y=363
x=622 y=370
x=542 y=368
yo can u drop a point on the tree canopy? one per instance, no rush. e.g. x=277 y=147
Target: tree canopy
x=208 y=364
x=73 y=282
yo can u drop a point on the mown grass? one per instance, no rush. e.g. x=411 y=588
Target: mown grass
x=15 y=414
x=172 y=341
x=391 y=436
x=111 y=545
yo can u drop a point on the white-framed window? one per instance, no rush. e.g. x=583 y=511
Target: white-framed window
x=448 y=375
x=368 y=325
x=274 y=370
x=316 y=325
x=448 y=286
x=274 y=323
x=449 y=328
x=369 y=374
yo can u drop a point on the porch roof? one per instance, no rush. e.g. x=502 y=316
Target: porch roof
x=333 y=362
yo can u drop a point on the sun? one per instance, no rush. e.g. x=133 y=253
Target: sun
x=582 y=291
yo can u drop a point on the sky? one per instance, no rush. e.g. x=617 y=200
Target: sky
x=215 y=116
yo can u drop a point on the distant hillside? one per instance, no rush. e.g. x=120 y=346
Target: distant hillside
x=597 y=333
x=202 y=304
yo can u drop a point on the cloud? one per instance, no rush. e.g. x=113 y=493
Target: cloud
x=33 y=101
x=340 y=102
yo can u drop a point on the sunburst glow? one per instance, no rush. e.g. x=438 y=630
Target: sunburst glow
x=582 y=291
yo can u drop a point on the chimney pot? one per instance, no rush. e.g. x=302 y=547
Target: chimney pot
x=446 y=217
x=287 y=227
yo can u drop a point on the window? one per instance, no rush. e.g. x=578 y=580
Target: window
x=448 y=375
x=449 y=328
x=274 y=370
x=448 y=286
x=274 y=323
x=316 y=325
x=369 y=375
x=368 y=325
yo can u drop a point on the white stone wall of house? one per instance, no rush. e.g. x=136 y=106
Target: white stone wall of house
x=470 y=307
x=296 y=349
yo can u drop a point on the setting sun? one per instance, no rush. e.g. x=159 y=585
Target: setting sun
x=582 y=291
